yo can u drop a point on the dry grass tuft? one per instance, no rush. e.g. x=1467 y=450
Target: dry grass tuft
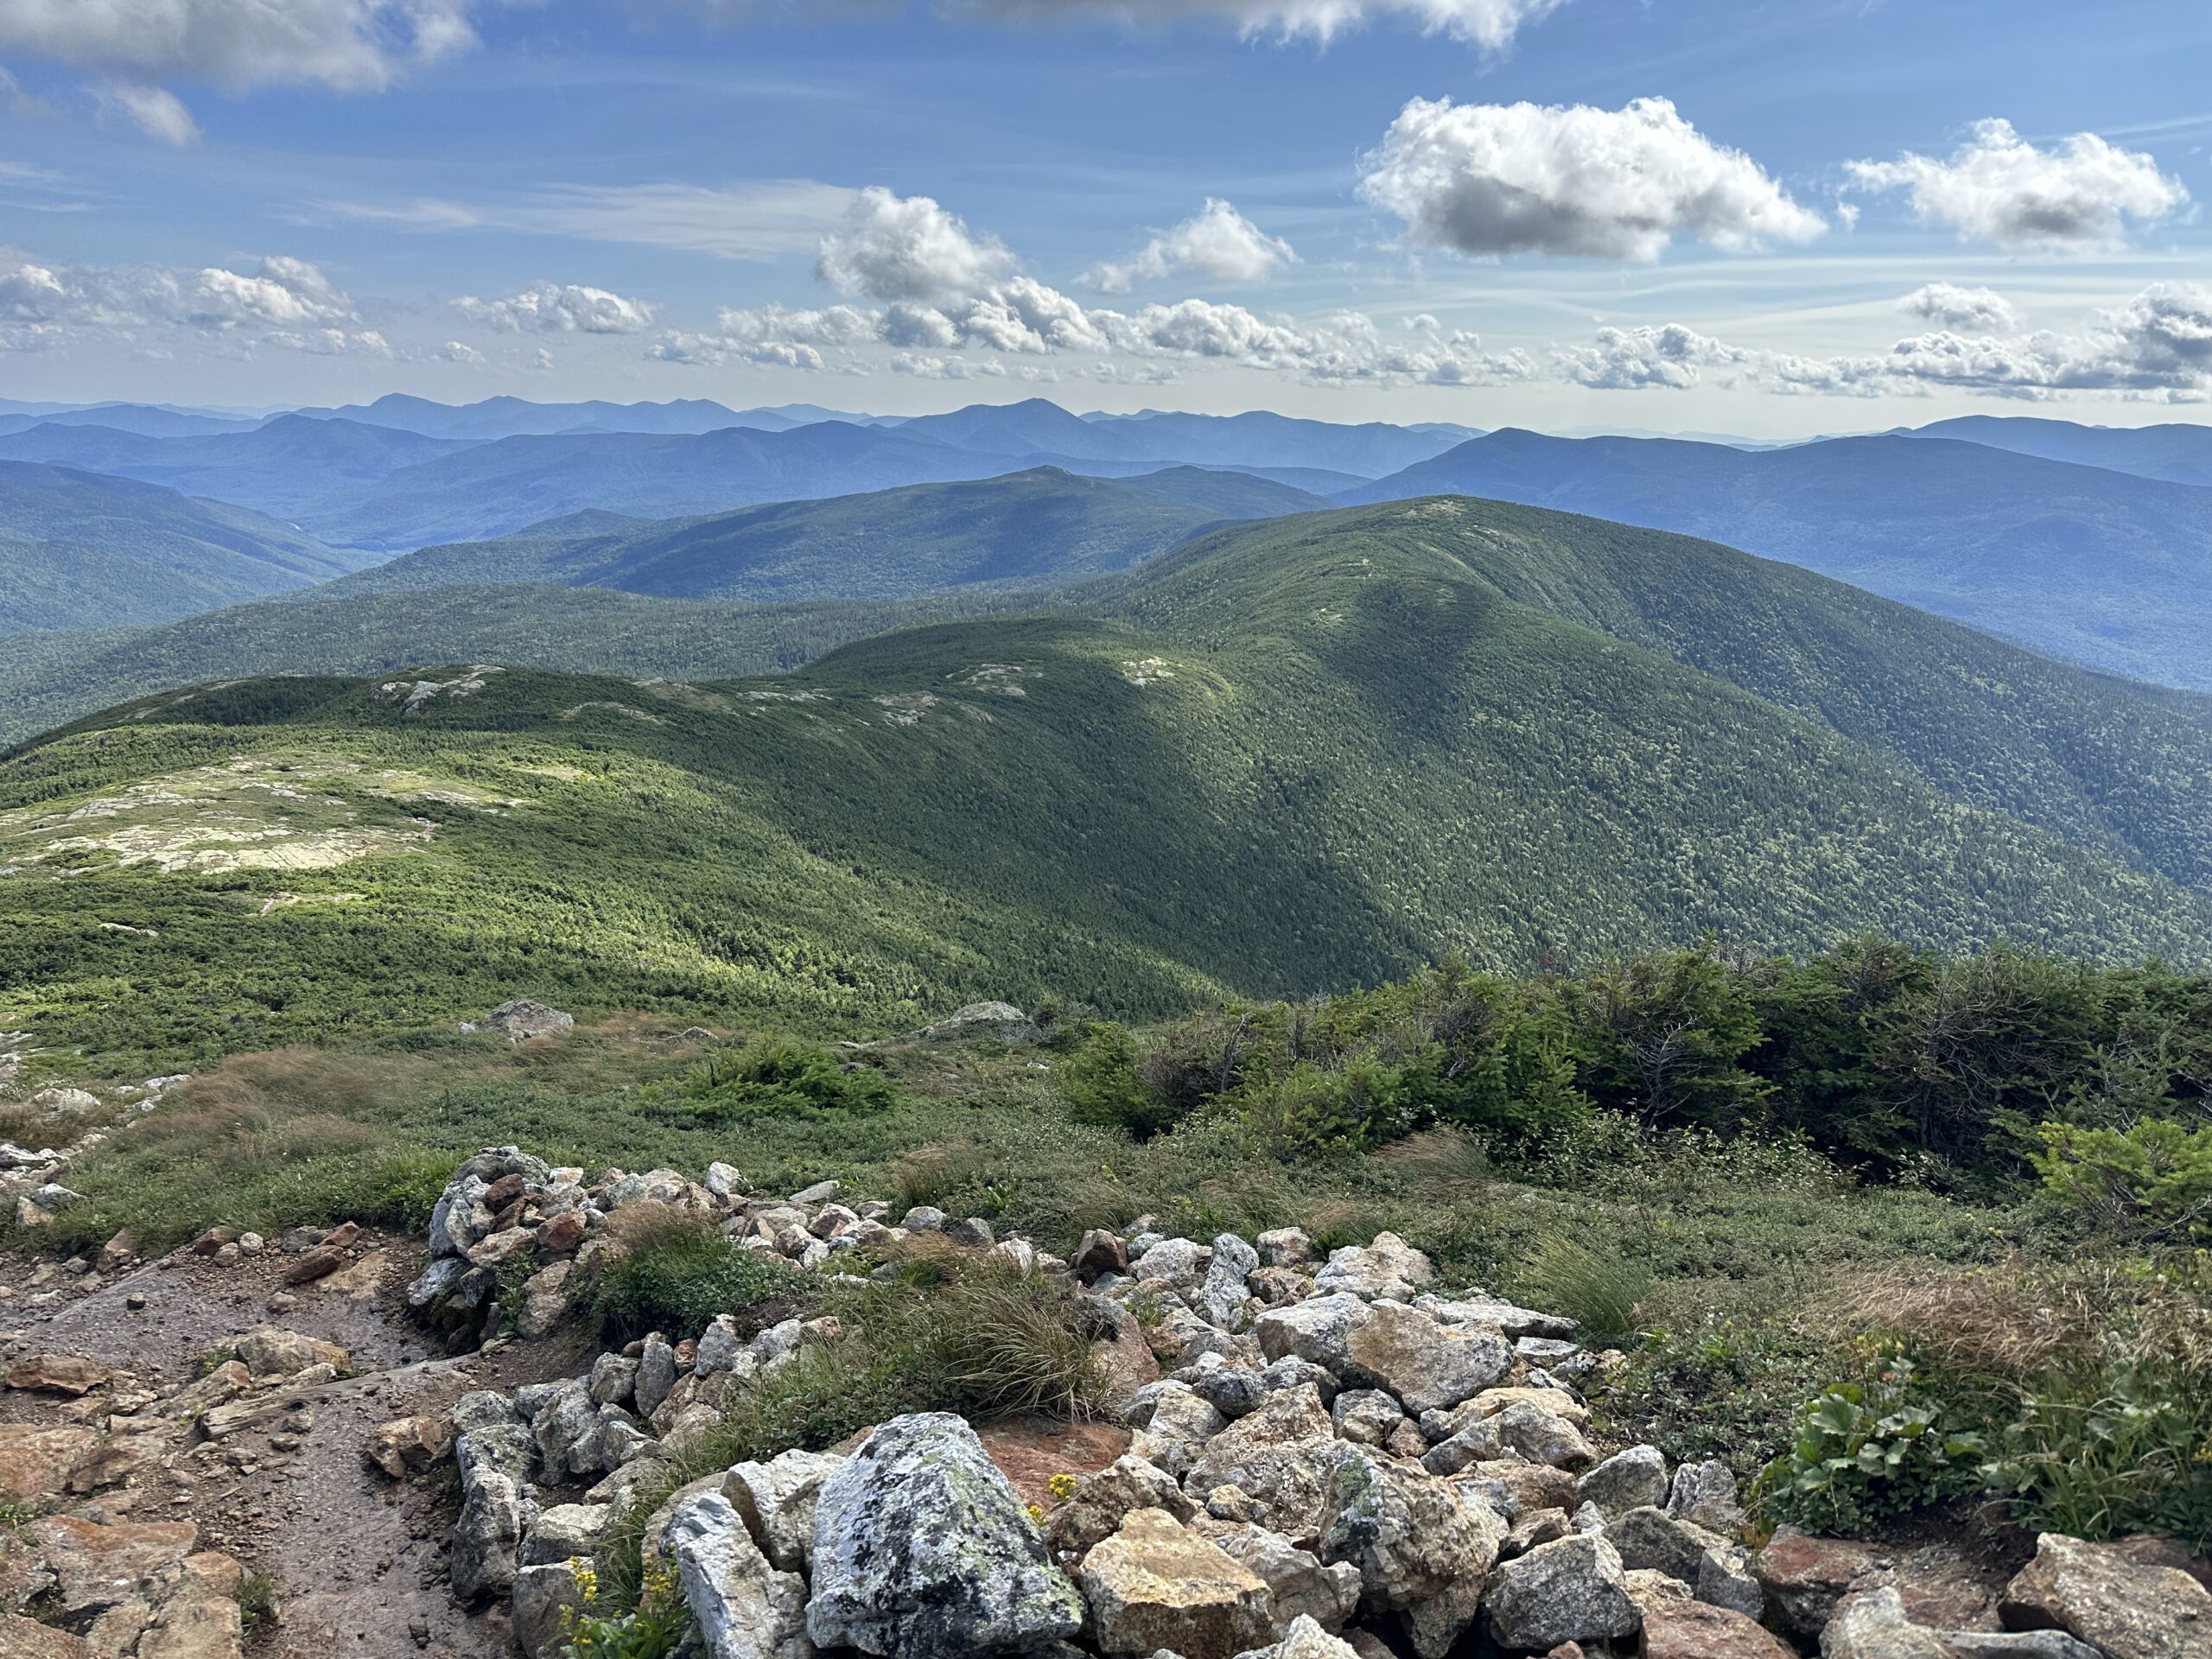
x=2007 y=1322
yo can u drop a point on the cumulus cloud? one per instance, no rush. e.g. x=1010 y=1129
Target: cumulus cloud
x=557 y=308
x=455 y=351
x=1489 y=23
x=1629 y=359
x=351 y=45
x=284 y=302
x=944 y=291
x=908 y=249
x=1963 y=310
x=1997 y=187
x=2156 y=347
x=1218 y=241
x=1493 y=179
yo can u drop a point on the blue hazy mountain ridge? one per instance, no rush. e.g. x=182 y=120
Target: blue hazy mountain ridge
x=2177 y=452
x=1039 y=528
x=88 y=549
x=284 y=467
x=2097 y=566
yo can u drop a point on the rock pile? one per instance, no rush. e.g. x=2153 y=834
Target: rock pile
x=34 y=1177
x=1345 y=1460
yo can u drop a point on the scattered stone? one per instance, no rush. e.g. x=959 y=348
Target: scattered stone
x=1635 y=1478
x=64 y=1374
x=523 y=1020
x=776 y=1503
x=407 y=1446
x=269 y=1352
x=1095 y=1510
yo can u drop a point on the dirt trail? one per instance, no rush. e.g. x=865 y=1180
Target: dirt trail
x=355 y=1558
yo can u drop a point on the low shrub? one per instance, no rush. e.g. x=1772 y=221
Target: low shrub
x=774 y=1077
x=1870 y=1450
x=671 y=1271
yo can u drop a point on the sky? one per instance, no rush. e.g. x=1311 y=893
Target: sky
x=1772 y=218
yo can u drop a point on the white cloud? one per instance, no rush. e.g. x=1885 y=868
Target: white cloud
x=945 y=290
x=1629 y=359
x=159 y=114
x=1489 y=23
x=922 y=366
x=455 y=351
x=2157 y=346
x=908 y=249
x=1217 y=242
x=283 y=302
x=351 y=45
x=1999 y=187
x=1492 y=179
x=1965 y=310
x=556 y=308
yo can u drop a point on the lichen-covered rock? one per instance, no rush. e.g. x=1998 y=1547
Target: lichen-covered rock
x=2123 y=1605
x=566 y=1532
x=546 y=1598
x=1277 y=1454
x=1633 y=1479
x=1573 y=1591
x=922 y=1550
x=743 y=1608
x=1221 y=1298
x=1179 y=1263
x=656 y=1375
x=1411 y=1536
x=1388 y=1267
x=483 y=1559
x=1427 y=1366
x=1316 y=1331
x=1155 y=1584
x=1094 y=1511
x=1175 y=1435
x=1650 y=1537
x=1523 y=1429
x=1298 y=1585
x=1704 y=1494
x=1365 y=1416
x=776 y=1502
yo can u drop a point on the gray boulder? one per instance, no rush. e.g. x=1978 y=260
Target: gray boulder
x=743 y=1607
x=922 y=1550
x=1222 y=1298
x=1633 y=1479
x=775 y=1501
x=1873 y=1624
x=483 y=1559
x=1388 y=1267
x=1570 y=1591
x=546 y=1599
x=1411 y=1536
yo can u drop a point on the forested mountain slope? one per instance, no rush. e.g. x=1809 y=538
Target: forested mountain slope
x=84 y=550
x=2090 y=564
x=1279 y=764
x=1037 y=528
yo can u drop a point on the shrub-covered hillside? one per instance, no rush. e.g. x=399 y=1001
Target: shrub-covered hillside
x=1289 y=759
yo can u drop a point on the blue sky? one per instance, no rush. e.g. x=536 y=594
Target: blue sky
x=1465 y=210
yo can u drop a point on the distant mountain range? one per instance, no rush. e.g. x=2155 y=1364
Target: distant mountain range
x=2102 y=567
x=2093 y=543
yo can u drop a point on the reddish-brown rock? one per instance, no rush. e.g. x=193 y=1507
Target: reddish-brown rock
x=1805 y=1577
x=561 y=1234
x=1691 y=1630
x=67 y=1374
